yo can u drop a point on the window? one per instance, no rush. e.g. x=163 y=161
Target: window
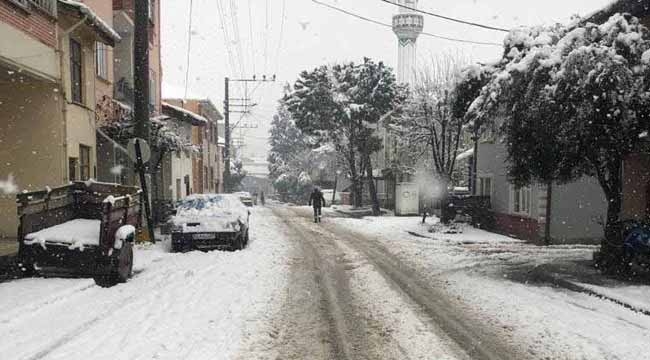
x=84 y=162
x=178 y=190
x=520 y=201
x=101 y=59
x=152 y=90
x=485 y=186
x=72 y=168
x=152 y=9
x=76 y=70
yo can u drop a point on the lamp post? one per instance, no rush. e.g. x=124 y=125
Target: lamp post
x=336 y=180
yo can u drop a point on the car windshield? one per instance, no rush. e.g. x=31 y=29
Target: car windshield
x=324 y=179
x=200 y=203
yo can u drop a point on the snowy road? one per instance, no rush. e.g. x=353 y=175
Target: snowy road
x=343 y=289
x=369 y=304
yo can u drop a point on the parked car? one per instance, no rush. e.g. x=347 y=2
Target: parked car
x=245 y=198
x=209 y=222
x=81 y=228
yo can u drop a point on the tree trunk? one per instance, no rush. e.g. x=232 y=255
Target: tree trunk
x=376 y=211
x=611 y=250
x=447 y=214
x=549 y=203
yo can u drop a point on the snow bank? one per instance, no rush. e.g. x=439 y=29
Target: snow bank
x=215 y=305
x=77 y=233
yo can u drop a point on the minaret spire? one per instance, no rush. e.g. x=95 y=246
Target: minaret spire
x=407 y=25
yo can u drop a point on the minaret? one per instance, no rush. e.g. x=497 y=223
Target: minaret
x=407 y=25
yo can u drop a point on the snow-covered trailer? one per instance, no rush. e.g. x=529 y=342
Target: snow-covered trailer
x=85 y=228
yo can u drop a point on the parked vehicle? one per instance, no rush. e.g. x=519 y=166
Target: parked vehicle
x=245 y=198
x=636 y=246
x=208 y=222
x=82 y=228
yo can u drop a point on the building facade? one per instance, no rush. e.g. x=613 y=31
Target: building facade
x=48 y=95
x=208 y=164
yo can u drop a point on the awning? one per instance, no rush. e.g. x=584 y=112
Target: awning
x=105 y=31
x=184 y=114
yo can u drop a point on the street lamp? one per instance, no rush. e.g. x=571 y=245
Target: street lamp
x=336 y=180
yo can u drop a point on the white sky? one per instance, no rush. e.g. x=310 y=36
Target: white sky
x=314 y=35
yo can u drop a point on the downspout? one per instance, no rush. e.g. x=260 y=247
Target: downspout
x=64 y=110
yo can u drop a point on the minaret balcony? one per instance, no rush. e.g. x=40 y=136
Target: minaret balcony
x=408 y=26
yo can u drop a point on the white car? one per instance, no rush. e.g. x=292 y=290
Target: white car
x=208 y=222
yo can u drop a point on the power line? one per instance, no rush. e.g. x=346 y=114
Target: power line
x=237 y=37
x=250 y=33
x=189 y=50
x=391 y=26
x=277 y=56
x=446 y=17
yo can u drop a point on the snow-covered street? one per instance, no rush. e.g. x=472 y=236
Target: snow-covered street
x=177 y=306
x=344 y=289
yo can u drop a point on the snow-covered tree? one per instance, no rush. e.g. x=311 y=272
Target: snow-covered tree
x=293 y=155
x=428 y=124
x=341 y=105
x=583 y=88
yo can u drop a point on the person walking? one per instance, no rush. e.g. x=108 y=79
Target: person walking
x=317 y=200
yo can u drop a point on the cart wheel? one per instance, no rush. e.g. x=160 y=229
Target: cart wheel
x=122 y=271
x=125 y=263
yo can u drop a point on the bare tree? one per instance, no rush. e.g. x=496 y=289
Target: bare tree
x=427 y=127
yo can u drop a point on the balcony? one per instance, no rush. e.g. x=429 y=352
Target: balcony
x=49 y=6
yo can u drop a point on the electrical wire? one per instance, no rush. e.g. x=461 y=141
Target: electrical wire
x=189 y=50
x=391 y=26
x=237 y=37
x=277 y=55
x=250 y=33
x=226 y=37
x=446 y=17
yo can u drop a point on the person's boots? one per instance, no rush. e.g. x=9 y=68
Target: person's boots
x=315 y=219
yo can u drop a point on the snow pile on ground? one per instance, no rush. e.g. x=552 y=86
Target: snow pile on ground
x=78 y=232
x=178 y=306
x=491 y=276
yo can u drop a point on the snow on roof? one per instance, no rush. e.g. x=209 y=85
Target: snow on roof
x=465 y=154
x=107 y=32
x=196 y=118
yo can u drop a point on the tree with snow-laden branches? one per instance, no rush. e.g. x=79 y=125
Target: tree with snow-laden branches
x=342 y=105
x=428 y=125
x=574 y=100
x=293 y=156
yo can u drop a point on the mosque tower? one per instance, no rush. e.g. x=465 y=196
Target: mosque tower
x=407 y=25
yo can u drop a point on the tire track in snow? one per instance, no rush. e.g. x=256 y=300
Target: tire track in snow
x=477 y=342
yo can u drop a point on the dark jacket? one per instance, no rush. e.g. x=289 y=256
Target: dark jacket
x=316 y=199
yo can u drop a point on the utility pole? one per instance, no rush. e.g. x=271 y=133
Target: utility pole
x=226 y=116
x=141 y=96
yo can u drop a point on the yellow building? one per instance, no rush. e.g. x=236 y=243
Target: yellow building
x=47 y=96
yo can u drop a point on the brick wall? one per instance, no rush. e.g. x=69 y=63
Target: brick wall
x=518 y=226
x=33 y=22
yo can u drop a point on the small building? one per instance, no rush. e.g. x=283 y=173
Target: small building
x=47 y=117
x=208 y=164
x=578 y=209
